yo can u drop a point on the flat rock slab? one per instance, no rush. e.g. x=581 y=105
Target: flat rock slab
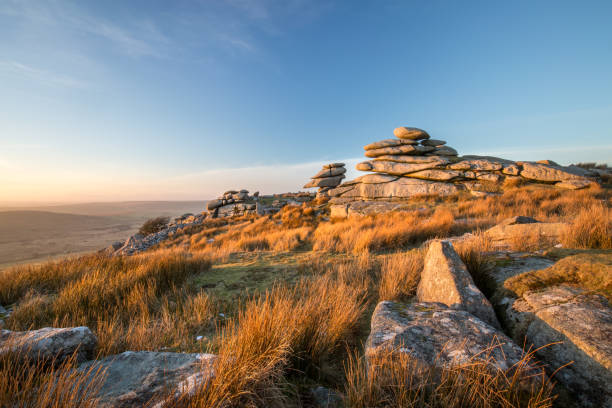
x=440 y=160
x=389 y=143
x=403 y=187
x=331 y=172
x=573 y=184
x=550 y=173
x=478 y=164
x=325 y=182
x=50 y=345
x=436 y=175
x=133 y=379
x=445 y=279
x=332 y=165
x=361 y=208
x=436 y=335
x=571 y=326
x=376 y=178
x=397 y=168
x=402 y=149
x=505 y=236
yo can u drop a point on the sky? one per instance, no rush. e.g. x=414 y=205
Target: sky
x=177 y=100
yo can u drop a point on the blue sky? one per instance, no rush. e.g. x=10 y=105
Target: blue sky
x=121 y=100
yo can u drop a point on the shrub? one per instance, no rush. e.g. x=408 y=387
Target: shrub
x=154 y=225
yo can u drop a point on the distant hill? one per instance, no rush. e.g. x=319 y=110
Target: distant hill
x=37 y=234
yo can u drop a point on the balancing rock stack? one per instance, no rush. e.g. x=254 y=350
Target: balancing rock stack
x=330 y=176
x=414 y=164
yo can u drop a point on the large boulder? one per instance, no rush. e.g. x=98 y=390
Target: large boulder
x=396 y=168
x=434 y=334
x=505 y=236
x=361 y=208
x=445 y=279
x=412 y=159
x=50 y=345
x=401 y=188
x=134 y=378
x=433 y=142
x=551 y=173
x=410 y=133
x=212 y=204
x=571 y=329
x=332 y=165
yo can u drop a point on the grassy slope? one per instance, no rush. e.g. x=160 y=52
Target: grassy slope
x=318 y=283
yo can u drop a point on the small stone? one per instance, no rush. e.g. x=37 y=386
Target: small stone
x=410 y=133
x=325 y=182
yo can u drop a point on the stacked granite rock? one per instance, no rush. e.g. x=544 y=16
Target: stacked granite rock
x=329 y=177
x=414 y=164
x=233 y=202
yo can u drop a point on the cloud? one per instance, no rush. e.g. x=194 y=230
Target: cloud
x=46 y=77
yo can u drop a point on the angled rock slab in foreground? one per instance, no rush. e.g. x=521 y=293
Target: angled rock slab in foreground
x=445 y=279
x=132 y=379
x=436 y=335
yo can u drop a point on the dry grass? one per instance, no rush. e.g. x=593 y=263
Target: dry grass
x=130 y=303
x=276 y=336
x=472 y=253
x=43 y=384
x=592 y=228
x=390 y=231
x=400 y=275
x=394 y=379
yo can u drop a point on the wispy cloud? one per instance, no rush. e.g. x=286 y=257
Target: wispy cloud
x=39 y=75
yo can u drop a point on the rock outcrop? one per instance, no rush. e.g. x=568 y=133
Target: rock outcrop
x=434 y=334
x=413 y=164
x=50 y=345
x=232 y=203
x=138 y=243
x=133 y=378
x=445 y=279
x=329 y=177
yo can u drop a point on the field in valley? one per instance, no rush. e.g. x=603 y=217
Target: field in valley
x=34 y=234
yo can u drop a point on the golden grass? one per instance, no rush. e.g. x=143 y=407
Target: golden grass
x=275 y=336
x=400 y=275
x=130 y=303
x=592 y=228
x=394 y=379
x=44 y=384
